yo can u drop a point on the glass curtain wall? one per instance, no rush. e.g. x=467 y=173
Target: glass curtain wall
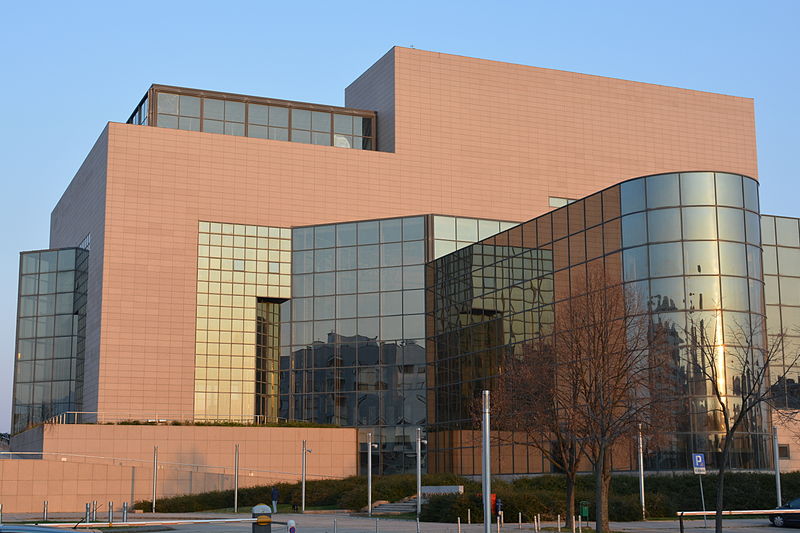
x=781 y=245
x=687 y=245
x=48 y=369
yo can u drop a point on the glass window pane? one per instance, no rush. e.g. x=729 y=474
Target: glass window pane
x=634 y=229
x=300 y=136
x=324 y=236
x=731 y=224
x=662 y=190
x=756 y=296
x=635 y=263
x=732 y=258
x=414 y=277
x=702 y=292
x=346 y=282
x=444 y=228
x=752 y=227
x=750 y=194
x=66 y=259
x=391 y=279
x=324 y=260
x=729 y=189
x=302 y=262
x=278 y=134
x=279 y=116
x=234 y=111
x=213 y=109
x=392 y=327
x=467 y=229
x=303 y=238
x=391 y=230
x=345 y=234
x=413 y=228
x=343 y=124
x=65 y=281
x=47 y=263
x=413 y=252
x=29 y=284
x=663 y=225
x=213 y=126
x=324 y=308
x=754 y=262
x=391 y=254
x=47 y=282
x=368 y=280
x=392 y=303
x=257 y=114
x=699 y=223
x=342 y=141
x=768 y=229
x=697 y=188
x=167 y=121
x=368 y=232
x=324 y=284
x=786 y=230
x=789 y=261
x=666 y=294
x=346 y=306
x=302 y=285
x=27 y=306
x=321 y=139
x=30 y=263
x=234 y=128
x=259 y=132
x=65 y=303
x=188 y=124
x=666 y=259
x=770 y=258
x=368 y=256
x=346 y=257
x=167 y=103
x=320 y=121
x=301 y=119
x=632 y=196
x=413 y=302
x=368 y=304
x=189 y=106
x=487 y=228
x=735 y=294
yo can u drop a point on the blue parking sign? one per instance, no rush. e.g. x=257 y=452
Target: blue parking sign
x=699 y=463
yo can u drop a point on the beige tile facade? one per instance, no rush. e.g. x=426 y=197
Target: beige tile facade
x=470 y=138
x=102 y=462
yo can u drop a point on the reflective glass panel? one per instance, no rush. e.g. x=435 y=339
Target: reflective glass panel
x=732 y=258
x=752 y=227
x=666 y=294
x=391 y=254
x=731 y=224
x=768 y=229
x=301 y=119
x=790 y=294
x=324 y=236
x=391 y=230
x=346 y=257
x=346 y=282
x=413 y=228
x=634 y=229
x=735 y=293
x=664 y=225
x=368 y=280
x=789 y=261
x=368 y=256
x=699 y=223
x=662 y=190
x=770 y=258
x=786 y=230
x=697 y=188
x=444 y=228
x=346 y=234
x=702 y=292
x=368 y=232
x=632 y=196
x=729 y=189
x=750 y=194
x=167 y=103
x=635 y=263
x=754 y=262
x=467 y=229
x=666 y=259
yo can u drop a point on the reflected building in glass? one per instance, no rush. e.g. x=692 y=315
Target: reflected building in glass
x=257 y=260
x=687 y=244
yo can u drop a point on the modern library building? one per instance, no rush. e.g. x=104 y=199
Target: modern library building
x=230 y=269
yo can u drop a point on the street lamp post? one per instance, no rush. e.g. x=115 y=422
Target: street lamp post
x=370 y=447
x=303 y=477
x=486 y=480
x=420 y=441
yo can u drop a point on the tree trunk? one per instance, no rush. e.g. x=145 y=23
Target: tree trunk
x=602 y=482
x=720 y=487
x=570 y=499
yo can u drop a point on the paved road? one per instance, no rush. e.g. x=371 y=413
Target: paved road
x=324 y=523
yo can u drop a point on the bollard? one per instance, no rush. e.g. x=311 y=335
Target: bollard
x=519 y=520
x=110 y=512
x=580 y=524
x=44 y=511
x=94 y=510
x=291 y=527
x=459 y=524
x=376 y=525
x=88 y=516
x=469 y=516
x=334 y=525
x=558 y=523
x=417 y=524
x=124 y=511
x=263 y=515
x=574 y=519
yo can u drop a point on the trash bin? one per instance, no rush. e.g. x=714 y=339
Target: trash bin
x=584 y=506
x=263 y=515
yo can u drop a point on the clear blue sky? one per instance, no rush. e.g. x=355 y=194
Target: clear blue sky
x=70 y=67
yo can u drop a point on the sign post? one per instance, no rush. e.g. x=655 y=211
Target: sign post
x=699 y=465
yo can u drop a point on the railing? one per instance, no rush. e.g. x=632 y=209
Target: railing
x=110 y=417
x=757 y=512
x=148 y=463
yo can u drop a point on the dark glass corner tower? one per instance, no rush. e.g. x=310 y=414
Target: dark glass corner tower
x=51 y=324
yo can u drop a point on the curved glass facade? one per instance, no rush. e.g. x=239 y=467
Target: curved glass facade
x=688 y=245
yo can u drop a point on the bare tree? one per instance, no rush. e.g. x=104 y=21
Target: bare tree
x=534 y=405
x=616 y=361
x=737 y=372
